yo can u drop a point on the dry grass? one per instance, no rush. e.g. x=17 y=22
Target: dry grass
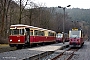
x=6 y=47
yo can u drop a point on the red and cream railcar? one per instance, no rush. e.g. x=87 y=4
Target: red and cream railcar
x=59 y=37
x=25 y=35
x=40 y=35
x=76 y=38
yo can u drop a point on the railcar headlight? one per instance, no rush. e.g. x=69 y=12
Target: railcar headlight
x=18 y=40
x=10 y=40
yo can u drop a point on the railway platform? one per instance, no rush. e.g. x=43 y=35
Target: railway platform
x=51 y=47
x=31 y=52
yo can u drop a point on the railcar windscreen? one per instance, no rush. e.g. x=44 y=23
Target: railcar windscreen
x=16 y=31
x=74 y=34
x=59 y=35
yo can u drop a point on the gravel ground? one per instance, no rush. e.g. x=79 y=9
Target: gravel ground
x=18 y=54
x=83 y=53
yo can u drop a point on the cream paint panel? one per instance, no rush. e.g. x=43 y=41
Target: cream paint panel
x=46 y=33
x=69 y=33
x=80 y=33
x=18 y=28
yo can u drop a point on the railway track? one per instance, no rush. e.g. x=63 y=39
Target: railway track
x=66 y=55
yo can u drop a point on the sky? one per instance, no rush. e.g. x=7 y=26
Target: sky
x=85 y=4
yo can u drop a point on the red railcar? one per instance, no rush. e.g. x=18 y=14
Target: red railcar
x=25 y=35
x=60 y=37
x=76 y=38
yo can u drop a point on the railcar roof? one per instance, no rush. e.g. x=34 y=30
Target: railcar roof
x=44 y=29
x=51 y=31
x=19 y=25
x=27 y=26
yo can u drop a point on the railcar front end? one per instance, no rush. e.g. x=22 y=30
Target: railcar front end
x=59 y=37
x=75 y=38
x=19 y=36
x=75 y=42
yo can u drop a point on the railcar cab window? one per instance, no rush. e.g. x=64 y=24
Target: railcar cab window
x=16 y=31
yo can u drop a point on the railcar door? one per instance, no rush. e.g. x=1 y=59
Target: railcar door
x=27 y=36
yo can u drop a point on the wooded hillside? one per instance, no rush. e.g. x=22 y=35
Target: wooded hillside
x=44 y=17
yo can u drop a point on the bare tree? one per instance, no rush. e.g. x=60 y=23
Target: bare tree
x=4 y=11
x=4 y=7
x=21 y=9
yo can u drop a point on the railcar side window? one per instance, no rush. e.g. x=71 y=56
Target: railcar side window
x=42 y=33
x=31 y=32
x=51 y=34
x=39 y=33
x=36 y=32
